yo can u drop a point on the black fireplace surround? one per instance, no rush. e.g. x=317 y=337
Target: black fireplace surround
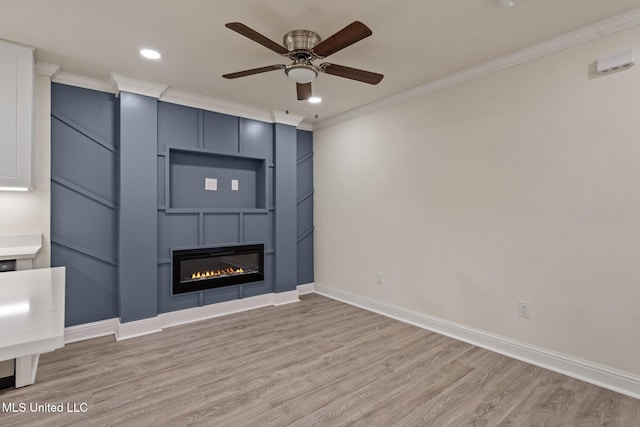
x=215 y=267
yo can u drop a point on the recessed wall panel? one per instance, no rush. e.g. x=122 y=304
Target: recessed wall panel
x=305 y=177
x=177 y=126
x=175 y=231
x=304 y=144
x=256 y=138
x=83 y=222
x=161 y=181
x=305 y=260
x=259 y=228
x=305 y=216
x=270 y=187
x=94 y=112
x=85 y=163
x=221 y=133
x=221 y=228
x=190 y=170
x=213 y=296
x=91 y=292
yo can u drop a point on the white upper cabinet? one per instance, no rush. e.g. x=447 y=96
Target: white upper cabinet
x=16 y=116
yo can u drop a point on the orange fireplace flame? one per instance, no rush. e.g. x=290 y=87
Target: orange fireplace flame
x=216 y=273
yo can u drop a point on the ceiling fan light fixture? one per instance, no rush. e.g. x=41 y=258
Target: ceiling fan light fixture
x=301 y=73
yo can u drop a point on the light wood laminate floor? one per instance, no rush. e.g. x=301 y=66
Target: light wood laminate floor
x=315 y=363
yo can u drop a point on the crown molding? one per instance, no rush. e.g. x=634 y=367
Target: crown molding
x=306 y=126
x=285 y=118
x=140 y=87
x=118 y=83
x=582 y=35
x=83 y=82
x=46 y=69
x=189 y=99
x=208 y=103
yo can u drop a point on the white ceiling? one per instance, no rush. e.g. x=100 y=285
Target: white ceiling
x=414 y=41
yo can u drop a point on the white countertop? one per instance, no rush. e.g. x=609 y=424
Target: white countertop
x=31 y=311
x=19 y=252
x=20 y=246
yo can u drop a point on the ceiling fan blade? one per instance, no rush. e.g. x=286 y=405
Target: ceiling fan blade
x=304 y=91
x=351 y=73
x=256 y=37
x=253 y=71
x=347 y=36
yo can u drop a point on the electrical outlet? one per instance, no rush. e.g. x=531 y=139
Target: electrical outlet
x=379 y=278
x=524 y=309
x=234 y=184
x=211 y=184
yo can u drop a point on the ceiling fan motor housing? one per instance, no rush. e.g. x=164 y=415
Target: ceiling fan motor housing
x=300 y=40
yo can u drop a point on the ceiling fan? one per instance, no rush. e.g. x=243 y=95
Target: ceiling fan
x=303 y=47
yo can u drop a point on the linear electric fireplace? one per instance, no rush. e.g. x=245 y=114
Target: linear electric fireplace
x=215 y=267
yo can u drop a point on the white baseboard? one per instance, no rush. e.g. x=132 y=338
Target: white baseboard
x=603 y=376
x=137 y=328
x=307 y=288
x=283 y=298
x=196 y=314
x=152 y=325
x=91 y=330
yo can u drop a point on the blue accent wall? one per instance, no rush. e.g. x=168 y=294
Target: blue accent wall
x=138 y=240
x=85 y=200
x=194 y=145
x=304 y=207
x=285 y=201
x=128 y=187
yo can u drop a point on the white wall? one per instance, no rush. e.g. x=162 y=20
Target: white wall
x=524 y=184
x=29 y=212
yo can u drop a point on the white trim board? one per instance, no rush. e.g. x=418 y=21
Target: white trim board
x=77 y=80
x=203 y=102
x=307 y=288
x=152 y=325
x=87 y=331
x=124 y=83
x=603 y=376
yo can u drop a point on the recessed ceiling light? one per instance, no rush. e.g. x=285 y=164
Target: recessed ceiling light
x=150 y=53
x=315 y=100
